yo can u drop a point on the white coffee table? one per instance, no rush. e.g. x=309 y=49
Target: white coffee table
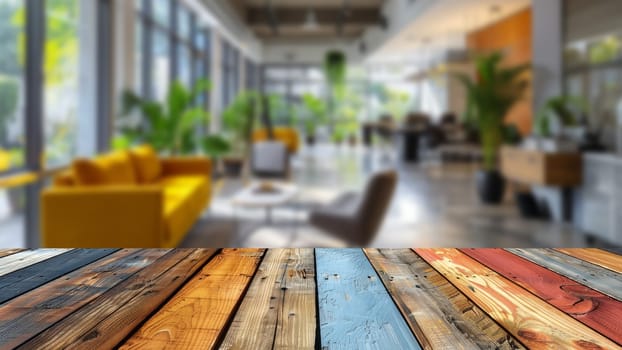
x=251 y=197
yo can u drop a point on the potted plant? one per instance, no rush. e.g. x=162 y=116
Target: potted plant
x=314 y=112
x=490 y=95
x=170 y=126
x=216 y=147
x=238 y=121
x=338 y=135
x=557 y=124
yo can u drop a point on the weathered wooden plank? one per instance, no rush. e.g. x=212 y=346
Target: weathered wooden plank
x=614 y=250
x=593 y=276
x=7 y=252
x=195 y=317
x=534 y=322
x=111 y=317
x=595 y=256
x=28 y=278
x=20 y=260
x=440 y=316
x=278 y=310
x=355 y=309
x=31 y=313
x=594 y=309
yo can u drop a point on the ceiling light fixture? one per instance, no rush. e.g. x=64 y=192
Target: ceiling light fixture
x=311 y=21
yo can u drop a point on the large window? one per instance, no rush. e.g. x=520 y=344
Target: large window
x=12 y=135
x=62 y=91
x=171 y=45
x=230 y=72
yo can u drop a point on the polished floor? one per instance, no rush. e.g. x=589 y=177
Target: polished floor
x=434 y=206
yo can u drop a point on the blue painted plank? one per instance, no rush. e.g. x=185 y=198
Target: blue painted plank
x=355 y=310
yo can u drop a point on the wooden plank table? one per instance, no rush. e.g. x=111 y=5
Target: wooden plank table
x=310 y=299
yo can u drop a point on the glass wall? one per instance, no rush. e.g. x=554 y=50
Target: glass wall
x=12 y=121
x=62 y=90
x=171 y=45
x=370 y=91
x=230 y=72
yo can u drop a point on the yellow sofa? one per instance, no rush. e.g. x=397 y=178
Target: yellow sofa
x=125 y=199
x=289 y=136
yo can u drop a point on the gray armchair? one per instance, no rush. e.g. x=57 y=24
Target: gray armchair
x=354 y=217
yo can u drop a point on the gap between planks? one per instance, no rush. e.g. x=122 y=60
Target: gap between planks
x=439 y=314
x=279 y=309
x=198 y=314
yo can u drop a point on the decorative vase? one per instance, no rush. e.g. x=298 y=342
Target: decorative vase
x=233 y=166
x=490 y=186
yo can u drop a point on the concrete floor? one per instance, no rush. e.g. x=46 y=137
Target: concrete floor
x=435 y=206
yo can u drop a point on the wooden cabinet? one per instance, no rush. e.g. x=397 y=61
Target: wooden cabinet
x=540 y=168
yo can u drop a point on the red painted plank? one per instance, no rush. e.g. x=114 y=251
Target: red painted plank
x=592 y=308
x=533 y=321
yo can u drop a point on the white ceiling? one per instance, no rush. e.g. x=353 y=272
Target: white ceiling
x=444 y=26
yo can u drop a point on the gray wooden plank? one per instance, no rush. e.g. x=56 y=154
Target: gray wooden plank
x=7 y=252
x=355 y=309
x=593 y=276
x=20 y=260
x=31 y=313
x=278 y=311
x=28 y=278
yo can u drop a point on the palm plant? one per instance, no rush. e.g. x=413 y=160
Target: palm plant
x=239 y=119
x=314 y=112
x=494 y=91
x=566 y=109
x=169 y=126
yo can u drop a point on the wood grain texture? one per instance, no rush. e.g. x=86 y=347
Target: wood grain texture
x=599 y=257
x=56 y=300
x=278 y=310
x=593 y=276
x=355 y=309
x=195 y=318
x=440 y=316
x=110 y=318
x=20 y=260
x=594 y=309
x=7 y=252
x=531 y=320
x=33 y=276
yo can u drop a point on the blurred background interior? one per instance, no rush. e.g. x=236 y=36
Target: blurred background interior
x=273 y=123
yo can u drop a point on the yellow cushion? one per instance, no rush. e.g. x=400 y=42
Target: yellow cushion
x=146 y=163
x=65 y=179
x=287 y=135
x=111 y=169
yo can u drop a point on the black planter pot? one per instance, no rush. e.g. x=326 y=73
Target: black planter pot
x=490 y=186
x=233 y=167
x=310 y=140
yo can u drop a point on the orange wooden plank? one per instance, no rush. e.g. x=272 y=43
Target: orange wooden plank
x=595 y=256
x=196 y=317
x=534 y=322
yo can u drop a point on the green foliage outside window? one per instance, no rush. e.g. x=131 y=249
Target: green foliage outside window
x=169 y=126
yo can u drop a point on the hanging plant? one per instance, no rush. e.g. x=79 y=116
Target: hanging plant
x=335 y=70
